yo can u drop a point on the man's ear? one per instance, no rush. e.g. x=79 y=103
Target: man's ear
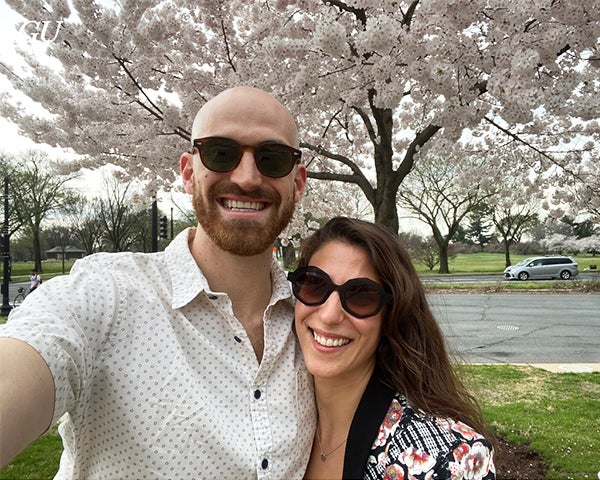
x=186 y=165
x=300 y=182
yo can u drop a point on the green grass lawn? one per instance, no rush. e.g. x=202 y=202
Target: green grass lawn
x=51 y=268
x=556 y=414
x=494 y=262
x=38 y=462
x=462 y=263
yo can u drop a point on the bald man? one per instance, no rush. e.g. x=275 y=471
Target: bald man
x=182 y=363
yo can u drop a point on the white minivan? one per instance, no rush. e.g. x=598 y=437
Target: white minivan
x=543 y=267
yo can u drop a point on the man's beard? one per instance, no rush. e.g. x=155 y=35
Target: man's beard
x=239 y=236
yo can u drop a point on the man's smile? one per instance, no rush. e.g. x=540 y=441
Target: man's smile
x=231 y=204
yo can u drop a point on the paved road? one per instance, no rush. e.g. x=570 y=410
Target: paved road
x=518 y=328
x=465 y=278
x=12 y=289
x=521 y=328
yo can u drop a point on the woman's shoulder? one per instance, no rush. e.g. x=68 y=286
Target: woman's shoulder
x=421 y=444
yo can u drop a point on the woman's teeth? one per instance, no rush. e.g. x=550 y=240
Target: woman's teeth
x=330 y=342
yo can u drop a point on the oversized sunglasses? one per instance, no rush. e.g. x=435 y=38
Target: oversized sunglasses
x=360 y=297
x=222 y=155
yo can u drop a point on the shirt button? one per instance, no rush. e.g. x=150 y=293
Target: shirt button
x=257 y=394
x=237 y=339
x=212 y=297
x=264 y=464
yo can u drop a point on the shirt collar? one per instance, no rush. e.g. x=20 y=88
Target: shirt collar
x=188 y=281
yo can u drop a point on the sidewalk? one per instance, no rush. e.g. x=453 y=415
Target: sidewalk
x=567 y=367
x=557 y=367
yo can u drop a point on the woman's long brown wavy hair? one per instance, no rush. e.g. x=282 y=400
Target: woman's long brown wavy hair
x=413 y=357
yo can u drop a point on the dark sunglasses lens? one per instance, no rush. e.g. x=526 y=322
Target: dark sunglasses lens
x=274 y=160
x=362 y=300
x=220 y=155
x=311 y=288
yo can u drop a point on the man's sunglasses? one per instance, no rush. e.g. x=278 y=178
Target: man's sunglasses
x=222 y=155
x=360 y=297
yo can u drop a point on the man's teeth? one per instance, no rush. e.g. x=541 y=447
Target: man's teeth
x=239 y=205
x=330 y=342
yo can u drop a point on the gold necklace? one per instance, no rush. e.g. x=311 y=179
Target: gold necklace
x=323 y=454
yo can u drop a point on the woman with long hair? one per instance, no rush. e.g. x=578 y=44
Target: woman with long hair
x=390 y=404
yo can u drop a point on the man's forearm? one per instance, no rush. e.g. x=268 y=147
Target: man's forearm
x=26 y=397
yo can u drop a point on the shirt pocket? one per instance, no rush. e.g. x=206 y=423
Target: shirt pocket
x=183 y=416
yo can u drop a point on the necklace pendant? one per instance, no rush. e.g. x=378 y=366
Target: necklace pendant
x=323 y=457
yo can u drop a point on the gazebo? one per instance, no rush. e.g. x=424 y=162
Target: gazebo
x=69 y=252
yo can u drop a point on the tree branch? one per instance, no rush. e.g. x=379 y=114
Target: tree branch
x=420 y=139
x=516 y=137
x=334 y=156
x=410 y=13
x=135 y=82
x=227 y=50
x=359 y=13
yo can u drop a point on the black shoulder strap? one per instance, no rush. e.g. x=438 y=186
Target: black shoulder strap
x=367 y=419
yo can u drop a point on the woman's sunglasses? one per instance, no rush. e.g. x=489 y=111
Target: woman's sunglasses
x=222 y=155
x=360 y=297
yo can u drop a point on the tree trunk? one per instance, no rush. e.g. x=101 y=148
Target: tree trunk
x=444 y=268
x=37 y=250
x=386 y=212
x=506 y=253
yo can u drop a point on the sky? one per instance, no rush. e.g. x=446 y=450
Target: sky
x=10 y=36
x=11 y=141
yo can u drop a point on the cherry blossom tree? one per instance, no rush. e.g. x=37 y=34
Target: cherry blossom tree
x=581 y=198
x=373 y=83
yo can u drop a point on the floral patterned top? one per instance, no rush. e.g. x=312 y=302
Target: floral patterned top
x=414 y=445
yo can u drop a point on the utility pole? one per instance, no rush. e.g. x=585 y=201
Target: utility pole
x=5 y=254
x=154 y=244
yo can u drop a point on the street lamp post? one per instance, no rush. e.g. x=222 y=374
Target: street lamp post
x=5 y=254
x=154 y=214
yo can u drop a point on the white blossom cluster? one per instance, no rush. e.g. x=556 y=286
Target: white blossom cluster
x=374 y=84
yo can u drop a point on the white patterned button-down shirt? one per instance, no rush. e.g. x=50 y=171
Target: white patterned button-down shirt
x=158 y=377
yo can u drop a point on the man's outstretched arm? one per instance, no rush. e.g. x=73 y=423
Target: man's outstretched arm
x=26 y=397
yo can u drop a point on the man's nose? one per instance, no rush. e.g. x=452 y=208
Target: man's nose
x=246 y=174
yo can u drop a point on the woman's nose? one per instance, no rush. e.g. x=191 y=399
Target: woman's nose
x=331 y=311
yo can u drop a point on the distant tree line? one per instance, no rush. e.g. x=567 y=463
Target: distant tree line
x=465 y=211
x=47 y=212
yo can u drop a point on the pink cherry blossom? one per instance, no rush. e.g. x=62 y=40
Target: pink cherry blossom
x=373 y=84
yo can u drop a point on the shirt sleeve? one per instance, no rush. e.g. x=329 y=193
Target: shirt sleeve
x=67 y=320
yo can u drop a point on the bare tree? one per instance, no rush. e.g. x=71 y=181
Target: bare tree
x=36 y=193
x=427 y=252
x=60 y=236
x=441 y=193
x=512 y=221
x=86 y=225
x=119 y=218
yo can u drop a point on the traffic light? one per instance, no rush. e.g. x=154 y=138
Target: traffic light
x=163 y=227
